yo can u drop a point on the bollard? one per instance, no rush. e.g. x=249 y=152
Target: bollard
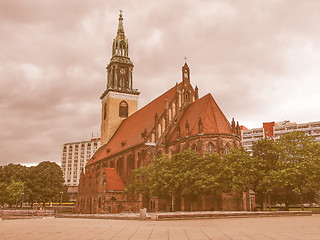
x=143 y=213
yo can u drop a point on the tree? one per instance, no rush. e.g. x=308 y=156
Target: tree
x=187 y=174
x=241 y=169
x=45 y=182
x=214 y=178
x=8 y=174
x=266 y=163
x=156 y=179
x=299 y=163
x=15 y=190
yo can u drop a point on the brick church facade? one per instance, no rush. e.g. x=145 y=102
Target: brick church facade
x=130 y=138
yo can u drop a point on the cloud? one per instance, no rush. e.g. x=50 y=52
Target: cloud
x=259 y=59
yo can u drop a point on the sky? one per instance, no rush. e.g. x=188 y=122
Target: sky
x=259 y=59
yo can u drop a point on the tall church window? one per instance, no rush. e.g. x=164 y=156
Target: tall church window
x=139 y=160
x=130 y=164
x=120 y=171
x=163 y=127
x=159 y=130
x=123 y=109
x=227 y=148
x=104 y=111
x=210 y=148
x=182 y=96
x=173 y=110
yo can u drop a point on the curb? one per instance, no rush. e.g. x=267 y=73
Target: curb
x=187 y=215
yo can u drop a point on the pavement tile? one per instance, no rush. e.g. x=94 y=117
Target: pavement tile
x=279 y=228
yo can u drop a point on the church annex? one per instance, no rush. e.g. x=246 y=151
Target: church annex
x=130 y=138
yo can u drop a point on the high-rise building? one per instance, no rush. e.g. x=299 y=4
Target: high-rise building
x=275 y=130
x=75 y=156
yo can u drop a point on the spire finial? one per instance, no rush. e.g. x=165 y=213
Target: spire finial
x=185 y=59
x=120 y=27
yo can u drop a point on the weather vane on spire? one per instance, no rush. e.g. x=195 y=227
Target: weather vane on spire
x=120 y=12
x=185 y=59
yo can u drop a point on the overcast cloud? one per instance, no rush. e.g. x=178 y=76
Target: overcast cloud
x=259 y=59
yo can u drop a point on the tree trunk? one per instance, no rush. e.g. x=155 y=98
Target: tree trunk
x=269 y=200
x=301 y=200
x=172 y=202
x=261 y=202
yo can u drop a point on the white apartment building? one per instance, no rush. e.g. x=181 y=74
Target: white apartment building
x=275 y=130
x=75 y=156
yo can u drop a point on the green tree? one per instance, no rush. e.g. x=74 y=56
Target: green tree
x=187 y=174
x=156 y=179
x=14 y=172
x=266 y=163
x=45 y=182
x=241 y=169
x=15 y=190
x=214 y=178
x=3 y=186
x=9 y=173
x=299 y=163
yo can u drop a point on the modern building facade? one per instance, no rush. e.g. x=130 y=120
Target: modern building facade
x=175 y=121
x=275 y=130
x=75 y=156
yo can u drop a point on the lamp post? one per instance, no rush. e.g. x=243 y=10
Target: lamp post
x=22 y=198
x=61 y=202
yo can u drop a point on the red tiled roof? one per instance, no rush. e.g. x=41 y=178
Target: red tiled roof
x=129 y=131
x=213 y=119
x=113 y=180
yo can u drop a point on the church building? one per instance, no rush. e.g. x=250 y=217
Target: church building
x=130 y=138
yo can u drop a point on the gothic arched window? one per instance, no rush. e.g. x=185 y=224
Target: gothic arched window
x=210 y=148
x=123 y=109
x=227 y=148
x=122 y=48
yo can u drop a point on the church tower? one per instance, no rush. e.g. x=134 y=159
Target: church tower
x=119 y=100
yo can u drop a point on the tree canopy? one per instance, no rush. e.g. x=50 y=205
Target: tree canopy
x=281 y=168
x=39 y=183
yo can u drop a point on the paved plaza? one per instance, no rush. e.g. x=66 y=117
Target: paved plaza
x=298 y=227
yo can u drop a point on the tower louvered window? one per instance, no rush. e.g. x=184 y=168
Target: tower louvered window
x=123 y=109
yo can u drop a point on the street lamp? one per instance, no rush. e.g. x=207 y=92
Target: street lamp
x=61 y=202
x=22 y=198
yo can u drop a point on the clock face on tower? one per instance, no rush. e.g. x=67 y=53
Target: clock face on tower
x=122 y=71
